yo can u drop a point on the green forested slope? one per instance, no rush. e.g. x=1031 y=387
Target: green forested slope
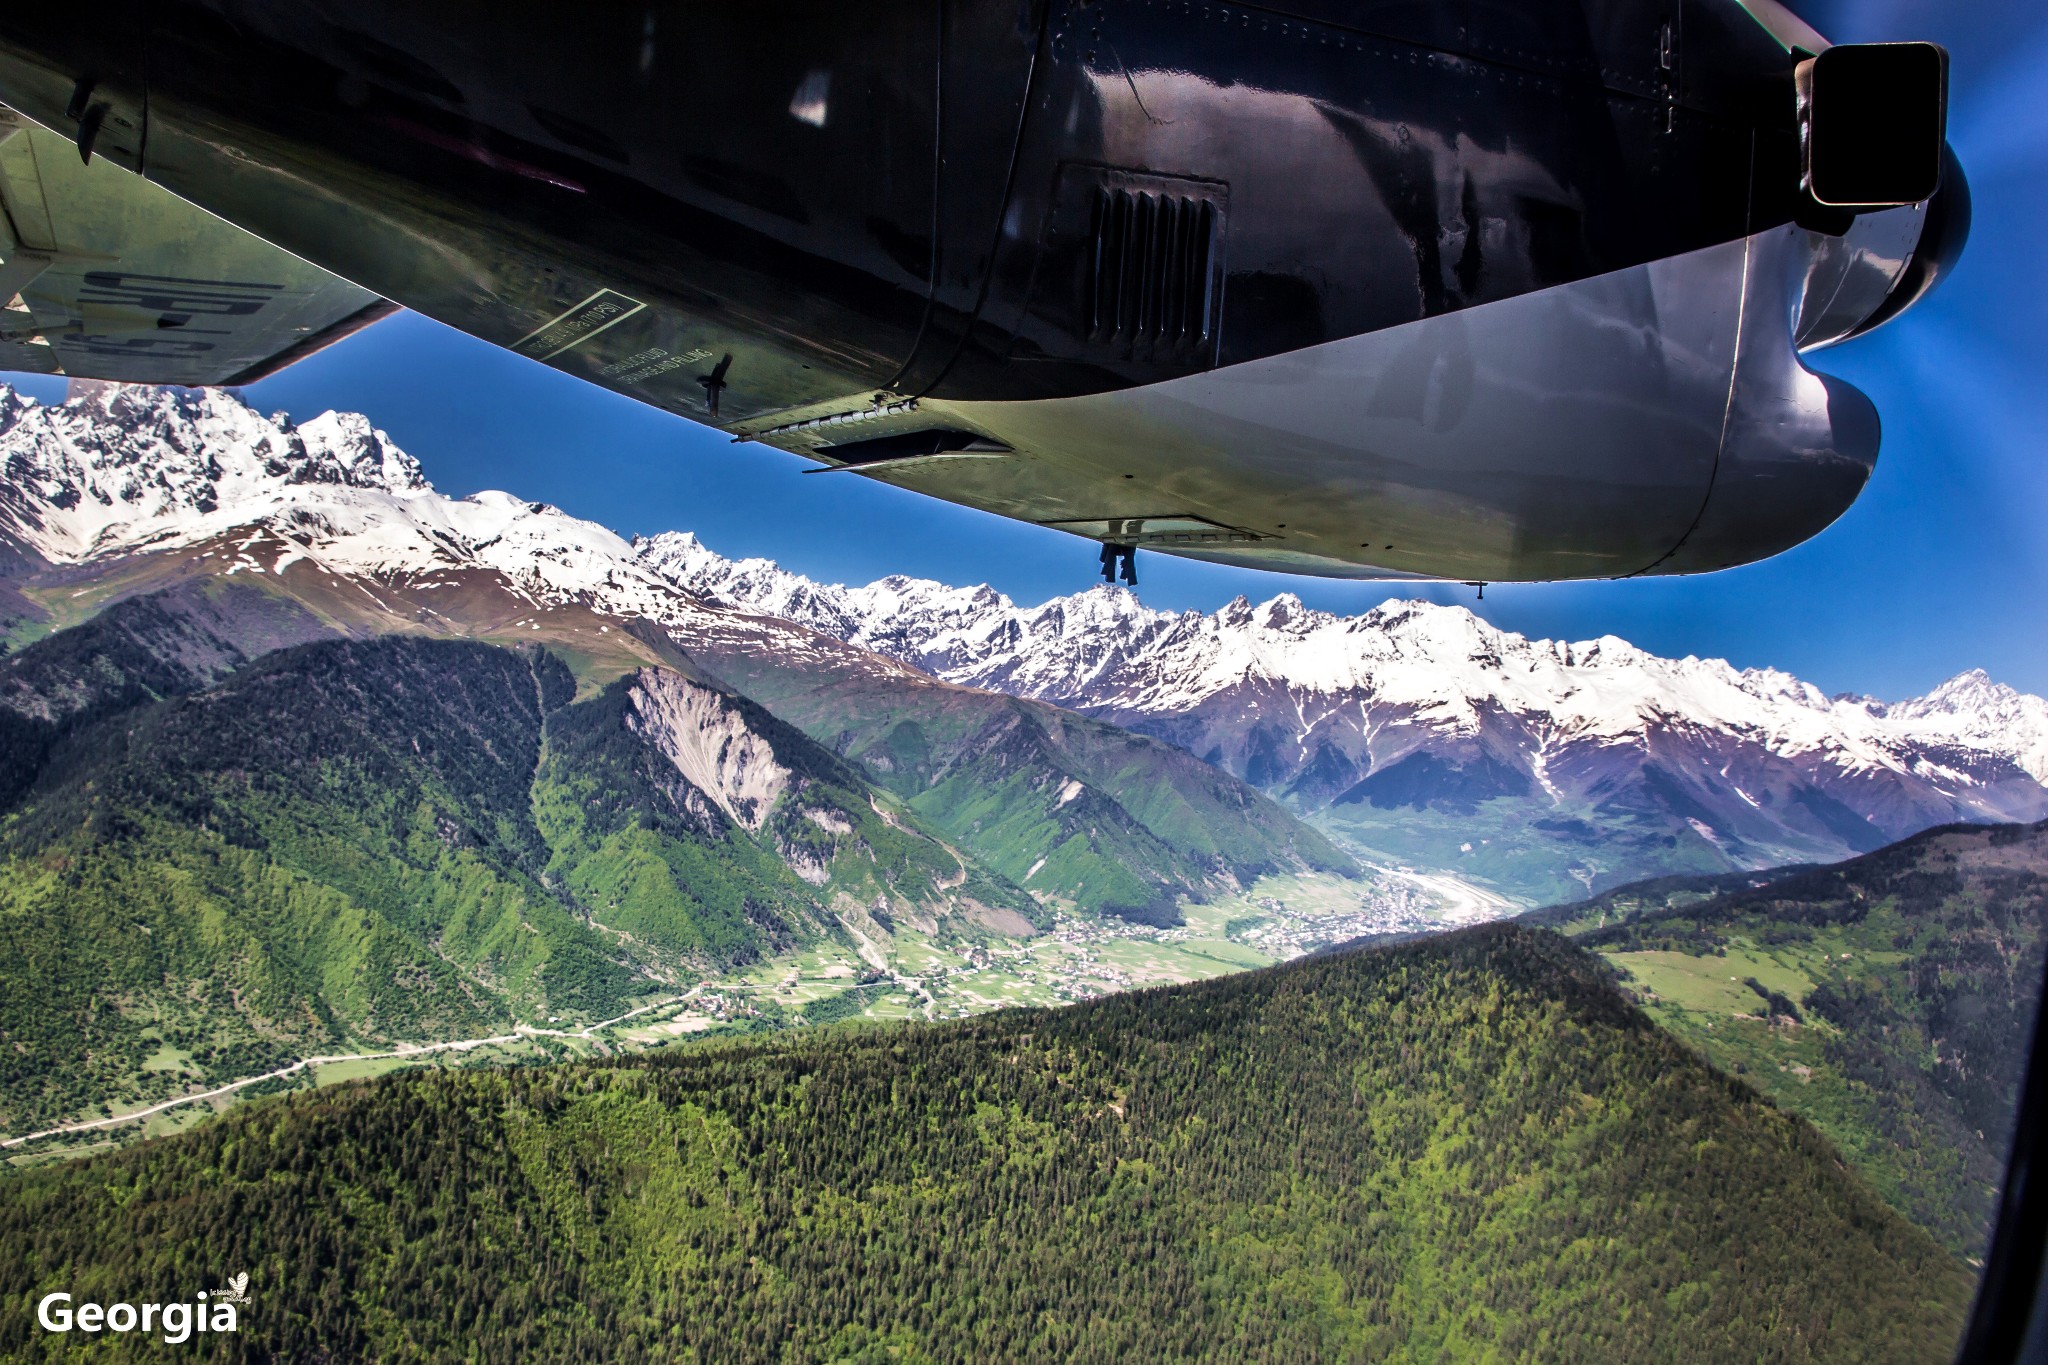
x=138 y=650
x=1633 y=900
x=1467 y=1149
x=1889 y=999
x=331 y=846
x=396 y=840
x=1064 y=805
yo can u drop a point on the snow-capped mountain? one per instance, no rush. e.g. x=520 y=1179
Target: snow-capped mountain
x=1101 y=650
x=1416 y=730
x=124 y=469
x=1973 y=711
x=129 y=471
x=1413 y=725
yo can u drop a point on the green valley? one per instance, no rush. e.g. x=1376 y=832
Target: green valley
x=1888 y=999
x=411 y=840
x=1470 y=1148
x=219 y=857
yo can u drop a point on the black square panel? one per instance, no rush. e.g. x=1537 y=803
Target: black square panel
x=1877 y=118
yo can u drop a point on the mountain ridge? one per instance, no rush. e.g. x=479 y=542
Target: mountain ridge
x=1889 y=999
x=1468 y=1148
x=1413 y=733
x=974 y=635
x=1592 y=762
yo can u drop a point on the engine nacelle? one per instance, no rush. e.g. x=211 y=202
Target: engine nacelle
x=1459 y=290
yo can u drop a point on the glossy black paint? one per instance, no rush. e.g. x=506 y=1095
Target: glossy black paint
x=1452 y=155
x=907 y=196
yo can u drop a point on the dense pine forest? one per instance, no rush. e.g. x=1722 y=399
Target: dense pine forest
x=1470 y=1148
x=1889 y=999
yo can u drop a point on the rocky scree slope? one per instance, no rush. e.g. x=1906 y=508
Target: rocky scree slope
x=1415 y=730
x=1412 y=732
x=133 y=490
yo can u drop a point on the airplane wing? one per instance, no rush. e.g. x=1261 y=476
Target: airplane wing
x=106 y=276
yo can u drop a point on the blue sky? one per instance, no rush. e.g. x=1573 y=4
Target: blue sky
x=1940 y=566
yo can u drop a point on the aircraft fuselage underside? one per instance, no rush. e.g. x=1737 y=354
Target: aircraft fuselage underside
x=1466 y=290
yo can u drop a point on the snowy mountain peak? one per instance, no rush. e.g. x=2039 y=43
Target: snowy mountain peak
x=345 y=445
x=1102 y=650
x=1972 y=709
x=122 y=467
x=126 y=470
x=1971 y=690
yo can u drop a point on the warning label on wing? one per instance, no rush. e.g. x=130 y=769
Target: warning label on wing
x=578 y=325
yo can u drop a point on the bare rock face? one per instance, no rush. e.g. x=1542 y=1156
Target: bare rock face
x=1413 y=714
x=1592 y=758
x=705 y=733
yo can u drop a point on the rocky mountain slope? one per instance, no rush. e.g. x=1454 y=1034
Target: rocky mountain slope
x=1411 y=732
x=1421 y=732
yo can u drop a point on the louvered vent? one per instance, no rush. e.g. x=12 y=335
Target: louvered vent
x=1152 y=282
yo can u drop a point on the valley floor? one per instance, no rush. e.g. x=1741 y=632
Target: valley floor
x=910 y=976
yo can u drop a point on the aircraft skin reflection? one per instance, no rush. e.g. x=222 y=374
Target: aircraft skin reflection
x=1462 y=291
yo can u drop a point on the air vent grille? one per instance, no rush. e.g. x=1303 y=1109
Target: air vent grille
x=1152 y=281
